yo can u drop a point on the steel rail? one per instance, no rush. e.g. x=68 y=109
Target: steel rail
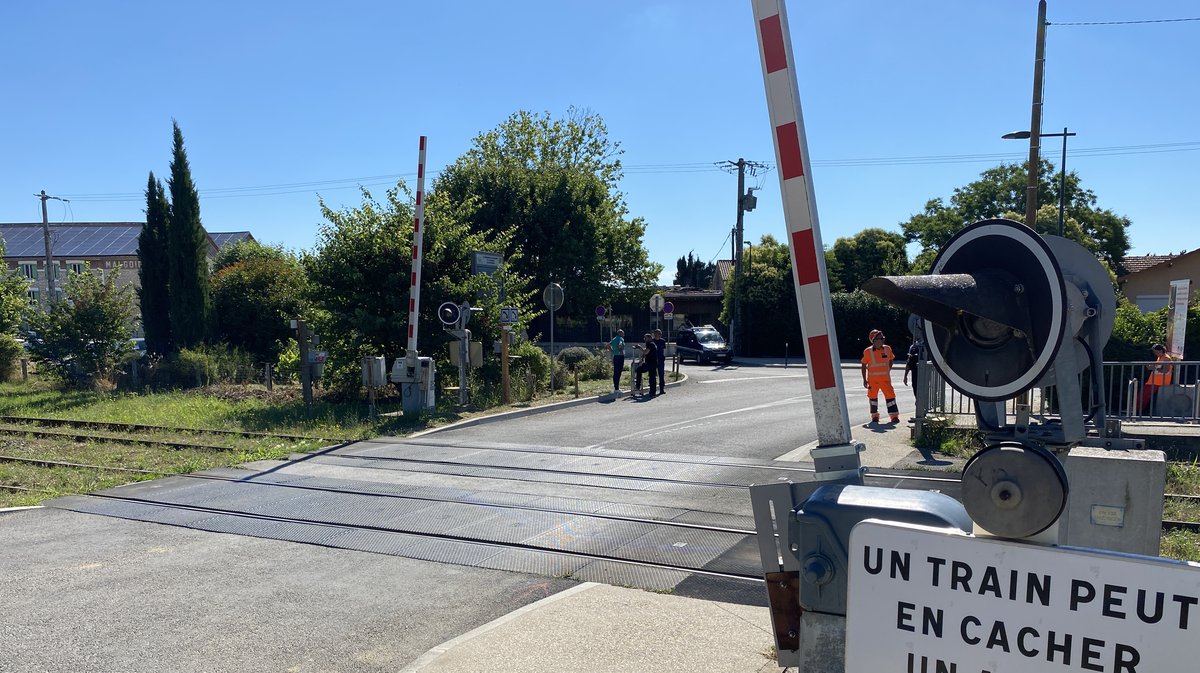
x=565 y=451
x=80 y=437
x=138 y=427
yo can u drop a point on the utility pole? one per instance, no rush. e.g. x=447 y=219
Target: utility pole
x=50 y=295
x=745 y=202
x=1035 y=123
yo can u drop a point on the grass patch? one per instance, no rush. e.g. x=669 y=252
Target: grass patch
x=1182 y=545
x=943 y=436
x=1183 y=478
x=54 y=481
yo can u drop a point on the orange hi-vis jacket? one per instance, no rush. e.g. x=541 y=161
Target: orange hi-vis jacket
x=879 y=363
x=1162 y=373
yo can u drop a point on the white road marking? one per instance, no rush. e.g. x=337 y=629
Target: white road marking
x=756 y=378
x=648 y=431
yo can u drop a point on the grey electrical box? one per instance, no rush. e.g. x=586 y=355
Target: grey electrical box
x=374 y=372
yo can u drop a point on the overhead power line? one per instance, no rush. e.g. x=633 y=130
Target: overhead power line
x=1120 y=23
x=649 y=169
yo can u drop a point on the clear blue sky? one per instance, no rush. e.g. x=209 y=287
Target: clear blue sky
x=282 y=101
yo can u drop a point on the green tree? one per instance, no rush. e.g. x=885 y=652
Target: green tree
x=254 y=300
x=187 y=253
x=153 y=270
x=359 y=275
x=554 y=184
x=1000 y=192
x=247 y=250
x=869 y=253
x=13 y=297
x=691 y=272
x=773 y=317
x=86 y=338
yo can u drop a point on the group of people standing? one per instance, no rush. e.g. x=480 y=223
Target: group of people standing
x=654 y=361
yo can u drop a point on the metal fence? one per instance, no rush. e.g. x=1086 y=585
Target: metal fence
x=1128 y=390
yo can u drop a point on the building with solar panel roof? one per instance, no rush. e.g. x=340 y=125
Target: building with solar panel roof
x=108 y=247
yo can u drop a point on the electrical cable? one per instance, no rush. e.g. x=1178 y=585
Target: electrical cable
x=1120 y=23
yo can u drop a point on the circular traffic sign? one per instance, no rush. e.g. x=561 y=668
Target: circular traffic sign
x=656 y=303
x=553 y=296
x=669 y=307
x=600 y=311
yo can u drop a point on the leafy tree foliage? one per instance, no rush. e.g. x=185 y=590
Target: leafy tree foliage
x=691 y=272
x=247 y=250
x=359 y=275
x=13 y=301
x=772 y=318
x=84 y=339
x=187 y=252
x=869 y=253
x=1001 y=191
x=153 y=270
x=254 y=300
x=553 y=183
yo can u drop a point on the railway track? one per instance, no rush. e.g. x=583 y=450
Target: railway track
x=137 y=427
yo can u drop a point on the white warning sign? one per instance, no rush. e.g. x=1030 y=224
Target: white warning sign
x=923 y=600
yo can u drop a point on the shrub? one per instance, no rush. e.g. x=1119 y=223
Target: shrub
x=206 y=365
x=597 y=366
x=10 y=352
x=532 y=359
x=575 y=355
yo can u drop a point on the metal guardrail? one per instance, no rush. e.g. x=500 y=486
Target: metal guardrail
x=1127 y=388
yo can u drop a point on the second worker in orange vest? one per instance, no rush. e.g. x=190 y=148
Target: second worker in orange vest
x=877 y=376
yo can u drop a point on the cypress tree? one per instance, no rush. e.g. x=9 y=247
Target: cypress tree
x=187 y=255
x=153 y=270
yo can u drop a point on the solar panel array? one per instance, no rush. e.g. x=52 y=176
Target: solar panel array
x=83 y=239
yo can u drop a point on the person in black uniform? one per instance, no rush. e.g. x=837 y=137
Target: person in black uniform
x=649 y=364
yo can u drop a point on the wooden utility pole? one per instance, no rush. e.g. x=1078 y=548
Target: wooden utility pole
x=1035 y=123
x=305 y=368
x=49 y=247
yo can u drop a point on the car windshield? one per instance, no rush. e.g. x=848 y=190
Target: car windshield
x=712 y=338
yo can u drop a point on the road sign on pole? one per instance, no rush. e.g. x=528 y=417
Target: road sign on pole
x=553 y=296
x=656 y=303
x=509 y=314
x=926 y=599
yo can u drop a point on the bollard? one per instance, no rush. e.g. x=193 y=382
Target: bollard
x=24 y=370
x=267 y=374
x=576 y=372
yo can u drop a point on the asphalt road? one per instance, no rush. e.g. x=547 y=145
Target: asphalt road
x=94 y=593
x=744 y=411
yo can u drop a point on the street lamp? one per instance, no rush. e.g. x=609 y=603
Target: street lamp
x=1062 y=174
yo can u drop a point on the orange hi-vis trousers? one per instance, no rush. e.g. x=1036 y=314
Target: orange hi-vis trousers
x=876 y=385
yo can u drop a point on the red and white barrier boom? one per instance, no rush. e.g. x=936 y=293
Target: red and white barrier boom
x=418 y=251
x=836 y=455
x=415 y=374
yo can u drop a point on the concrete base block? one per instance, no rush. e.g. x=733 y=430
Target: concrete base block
x=1115 y=501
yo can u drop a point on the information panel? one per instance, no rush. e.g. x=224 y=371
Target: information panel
x=924 y=600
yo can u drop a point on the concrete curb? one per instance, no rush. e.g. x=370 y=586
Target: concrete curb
x=435 y=652
x=520 y=413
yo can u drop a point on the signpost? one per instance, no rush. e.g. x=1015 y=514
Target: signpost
x=508 y=316
x=656 y=306
x=553 y=297
x=1177 y=318
x=485 y=262
x=929 y=600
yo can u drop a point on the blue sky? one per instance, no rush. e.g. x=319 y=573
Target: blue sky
x=282 y=101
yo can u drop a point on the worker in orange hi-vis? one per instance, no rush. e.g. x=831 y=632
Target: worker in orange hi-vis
x=877 y=376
